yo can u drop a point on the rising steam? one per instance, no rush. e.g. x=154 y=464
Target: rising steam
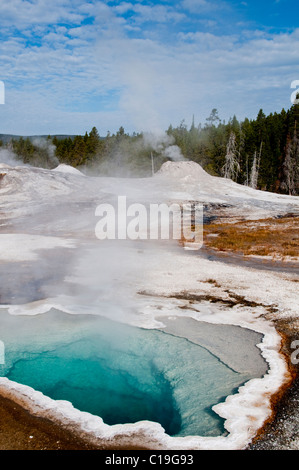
x=163 y=143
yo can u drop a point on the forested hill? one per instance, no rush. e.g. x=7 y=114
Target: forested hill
x=262 y=153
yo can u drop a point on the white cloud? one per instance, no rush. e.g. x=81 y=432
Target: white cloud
x=193 y=5
x=123 y=7
x=21 y=13
x=156 y=13
x=154 y=83
x=200 y=6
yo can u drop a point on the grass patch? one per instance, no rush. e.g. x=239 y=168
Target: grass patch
x=278 y=238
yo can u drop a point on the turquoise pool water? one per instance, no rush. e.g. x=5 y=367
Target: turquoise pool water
x=123 y=374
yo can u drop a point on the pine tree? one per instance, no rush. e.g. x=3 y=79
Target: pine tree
x=213 y=118
x=231 y=167
x=291 y=165
x=254 y=172
x=256 y=168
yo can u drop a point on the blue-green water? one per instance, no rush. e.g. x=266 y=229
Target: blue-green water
x=121 y=373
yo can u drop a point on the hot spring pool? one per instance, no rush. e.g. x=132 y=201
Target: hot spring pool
x=121 y=373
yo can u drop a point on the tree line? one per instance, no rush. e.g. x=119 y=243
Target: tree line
x=262 y=153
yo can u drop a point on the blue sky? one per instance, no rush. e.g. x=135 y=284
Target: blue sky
x=69 y=65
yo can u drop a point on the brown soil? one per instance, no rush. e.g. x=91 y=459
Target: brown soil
x=276 y=238
x=19 y=430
